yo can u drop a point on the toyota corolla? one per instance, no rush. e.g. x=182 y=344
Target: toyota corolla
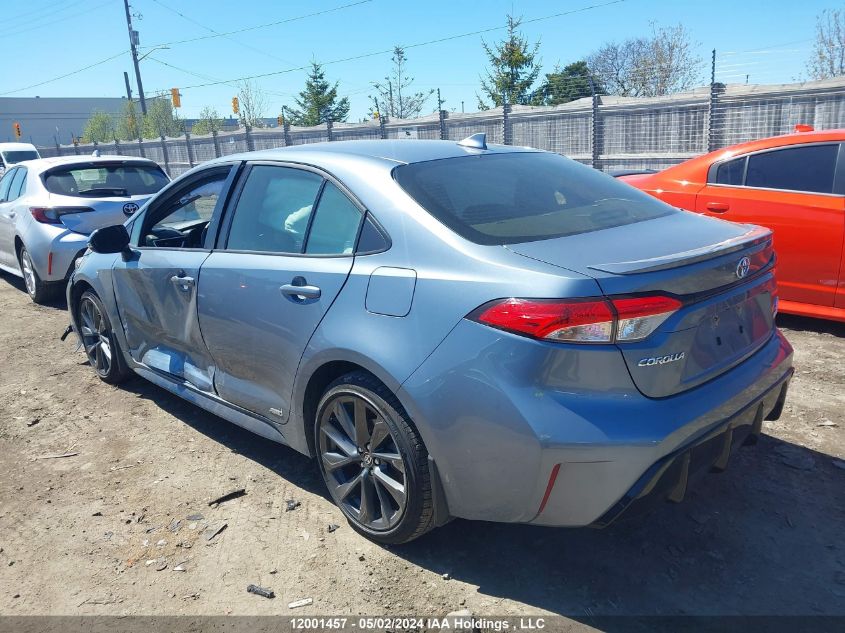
x=451 y=329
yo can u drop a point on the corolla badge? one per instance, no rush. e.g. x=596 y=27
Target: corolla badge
x=742 y=267
x=661 y=360
x=129 y=208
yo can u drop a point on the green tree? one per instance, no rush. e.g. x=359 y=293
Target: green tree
x=252 y=103
x=160 y=119
x=130 y=124
x=394 y=96
x=514 y=67
x=318 y=103
x=100 y=128
x=209 y=121
x=566 y=84
x=828 y=56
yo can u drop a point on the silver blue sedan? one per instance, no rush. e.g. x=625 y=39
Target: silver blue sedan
x=451 y=329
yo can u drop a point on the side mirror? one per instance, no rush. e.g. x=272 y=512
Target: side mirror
x=109 y=239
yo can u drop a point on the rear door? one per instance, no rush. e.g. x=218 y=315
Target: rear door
x=7 y=218
x=793 y=191
x=284 y=255
x=156 y=287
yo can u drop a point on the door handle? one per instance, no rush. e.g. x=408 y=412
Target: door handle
x=299 y=290
x=184 y=283
x=718 y=207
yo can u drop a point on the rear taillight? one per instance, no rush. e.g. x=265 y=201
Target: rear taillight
x=53 y=215
x=579 y=321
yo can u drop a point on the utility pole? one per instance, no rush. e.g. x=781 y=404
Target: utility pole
x=128 y=87
x=133 y=42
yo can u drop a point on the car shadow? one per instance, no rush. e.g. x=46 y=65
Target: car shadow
x=59 y=302
x=808 y=324
x=762 y=538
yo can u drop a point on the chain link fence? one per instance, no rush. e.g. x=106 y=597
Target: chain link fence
x=606 y=132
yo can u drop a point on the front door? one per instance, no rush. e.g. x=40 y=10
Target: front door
x=156 y=286
x=794 y=192
x=285 y=256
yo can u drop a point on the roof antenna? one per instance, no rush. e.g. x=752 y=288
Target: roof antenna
x=476 y=141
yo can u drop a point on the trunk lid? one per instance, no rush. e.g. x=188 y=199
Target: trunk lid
x=722 y=272
x=106 y=211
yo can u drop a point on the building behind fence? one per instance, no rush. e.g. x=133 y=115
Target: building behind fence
x=606 y=132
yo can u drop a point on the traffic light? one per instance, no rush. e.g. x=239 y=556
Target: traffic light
x=175 y=97
x=236 y=105
x=375 y=115
x=280 y=120
x=17 y=128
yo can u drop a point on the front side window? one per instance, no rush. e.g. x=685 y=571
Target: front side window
x=523 y=197
x=273 y=210
x=730 y=173
x=335 y=225
x=105 y=180
x=180 y=222
x=809 y=168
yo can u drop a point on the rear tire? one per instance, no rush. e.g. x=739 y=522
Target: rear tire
x=39 y=291
x=99 y=341
x=373 y=461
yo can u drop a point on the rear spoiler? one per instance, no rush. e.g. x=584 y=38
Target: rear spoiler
x=618 y=173
x=754 y=240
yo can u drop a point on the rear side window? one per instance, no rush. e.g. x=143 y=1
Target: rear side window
x=105 y=180
x=524 y=196
x=335 y=225
x=810 y=168
x=18 y=184
x=6 y=184
x=273 y=210
x=730 y=173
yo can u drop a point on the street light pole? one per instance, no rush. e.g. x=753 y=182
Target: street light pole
x=132 y=46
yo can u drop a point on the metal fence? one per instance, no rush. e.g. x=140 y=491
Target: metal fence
x=606 y=132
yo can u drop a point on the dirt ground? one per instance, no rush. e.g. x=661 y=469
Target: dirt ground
x=122 y=526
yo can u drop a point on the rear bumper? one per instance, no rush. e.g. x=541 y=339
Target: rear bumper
x=530 y=433
x=669 y=477
x=53 y=255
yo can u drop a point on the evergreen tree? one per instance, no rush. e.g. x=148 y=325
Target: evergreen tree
x=567 y=84
x=513 y=68
x=318 y=103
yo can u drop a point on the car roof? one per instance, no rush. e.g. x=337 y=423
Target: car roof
x=43 y=164
x=10 y=147
x=387 y=150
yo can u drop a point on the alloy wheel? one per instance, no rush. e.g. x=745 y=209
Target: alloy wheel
x=362 y=464
x=28 y=272
x=95 y=336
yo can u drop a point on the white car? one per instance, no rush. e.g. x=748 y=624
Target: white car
x=49 y=206
x=14 y=153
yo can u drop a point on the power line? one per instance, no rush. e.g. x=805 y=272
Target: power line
x=211 y=30
x=262 y=26
x=64 y=19
x=73 y=72
x=45 y=11
x=416 y=45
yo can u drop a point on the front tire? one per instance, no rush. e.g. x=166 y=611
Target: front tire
x=38 y=290
x=373 y=460
x=98 y=339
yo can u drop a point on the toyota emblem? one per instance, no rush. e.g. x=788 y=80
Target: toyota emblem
x=742 y=267
x=130 y=207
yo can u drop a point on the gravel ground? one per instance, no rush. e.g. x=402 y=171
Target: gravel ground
x=123 y=526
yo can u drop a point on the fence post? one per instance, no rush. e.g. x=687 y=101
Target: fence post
x=382 y=126
x=441 y=115
x=189 y=147
x=595 y=130
x=329 y=130
x=712 y=142
x=286 y=131
x=507 y=128
x=216 y=143
x=58 y=147
x=164 y=153
x=96 y=147
x=116 y=146
x=248 y=133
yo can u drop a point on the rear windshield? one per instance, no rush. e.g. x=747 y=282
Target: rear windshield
x=103 y=180
x=523 y=197
x=18 y=156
